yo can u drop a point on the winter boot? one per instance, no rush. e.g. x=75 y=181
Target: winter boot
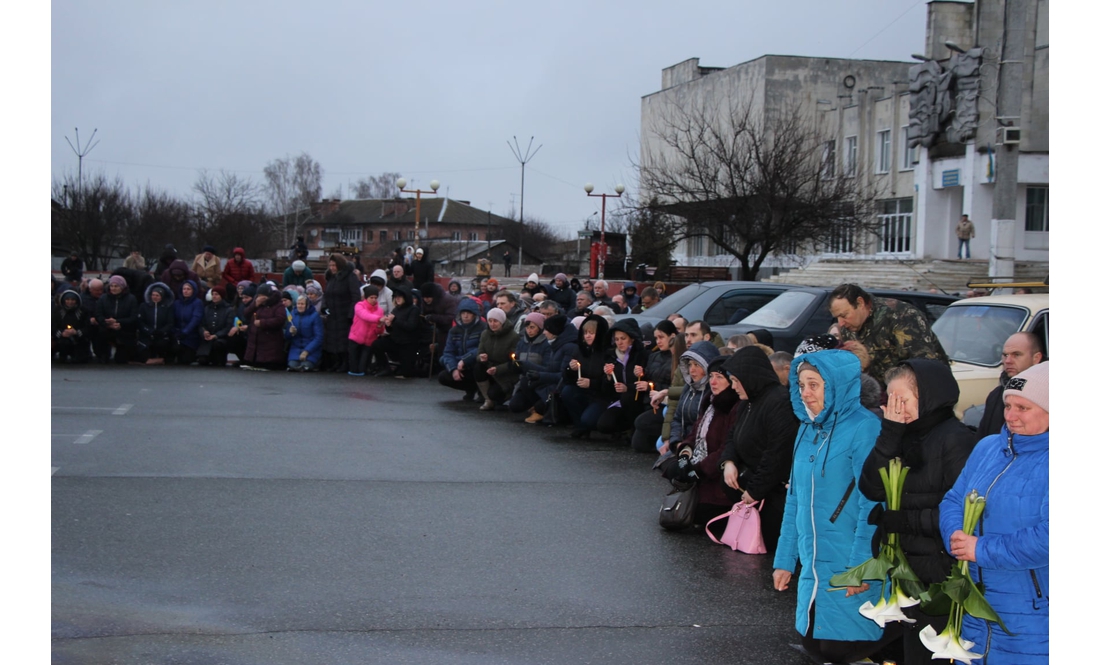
x=488 y=405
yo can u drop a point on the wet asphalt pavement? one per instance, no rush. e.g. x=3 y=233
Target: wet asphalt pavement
x=207 y=516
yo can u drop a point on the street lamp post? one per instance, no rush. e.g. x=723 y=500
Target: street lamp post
x=416 y=224
x=619 y=189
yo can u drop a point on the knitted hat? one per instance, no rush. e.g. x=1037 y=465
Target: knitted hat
x=537 y=319
x=816 y=343
x=249 y=291
x=419 y=251
x=561 y=276
x=497 y=314
x=493 y=281
x=1033 y=385
x=209 y=248
x=218 y=289
x=370 y=290
x=533 y=277
x=117 y=279
x=298 y=266
x=555 y=325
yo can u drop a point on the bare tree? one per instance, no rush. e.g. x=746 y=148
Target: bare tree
x=291 y=185
x=652 y=232
x=159 y=218
x=94 y=210
x=377 y=187
x=751 y=182
x=229 y=212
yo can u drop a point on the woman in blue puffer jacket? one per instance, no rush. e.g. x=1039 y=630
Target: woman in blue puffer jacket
x=188 y=310
x=306 y=333
x=1010 y=552
x=825 y=519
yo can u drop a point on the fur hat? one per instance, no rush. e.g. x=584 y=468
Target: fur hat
x=1033 y=385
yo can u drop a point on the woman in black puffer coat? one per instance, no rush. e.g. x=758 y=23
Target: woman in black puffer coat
x=756 y=461
x=920 y=427
x=341 y=294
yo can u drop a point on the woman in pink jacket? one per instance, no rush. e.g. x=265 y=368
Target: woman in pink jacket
x=365 y=328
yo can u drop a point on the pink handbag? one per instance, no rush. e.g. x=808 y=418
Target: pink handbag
x=742 y=530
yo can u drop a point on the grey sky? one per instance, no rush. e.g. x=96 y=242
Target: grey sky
x=431 y=89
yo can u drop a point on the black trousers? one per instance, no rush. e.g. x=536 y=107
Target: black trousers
x=467 y=383
x=213 y=353
x=647 y=429
x=405 y=353
x=359 y=356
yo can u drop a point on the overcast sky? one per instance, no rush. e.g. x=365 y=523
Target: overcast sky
x=429 y=89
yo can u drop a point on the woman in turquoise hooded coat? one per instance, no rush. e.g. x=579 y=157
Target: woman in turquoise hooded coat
x=825 y=519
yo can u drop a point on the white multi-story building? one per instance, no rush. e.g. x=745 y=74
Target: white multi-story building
x=862 y=109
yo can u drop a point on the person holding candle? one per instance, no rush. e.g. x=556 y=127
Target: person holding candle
x=583 y=393
x=624 y=365
x=656 y=377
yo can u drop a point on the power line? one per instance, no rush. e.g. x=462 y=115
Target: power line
x=874 y=36
x=340 y=173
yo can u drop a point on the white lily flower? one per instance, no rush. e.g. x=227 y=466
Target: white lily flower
x=906 y=601
x=947 y=645
x=872 y=611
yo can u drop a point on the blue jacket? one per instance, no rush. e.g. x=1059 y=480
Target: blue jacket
x=462 y=340
x=1013 y=544
x=828 y=459
x=188 y=313
x=532 y=353
x=309 y=335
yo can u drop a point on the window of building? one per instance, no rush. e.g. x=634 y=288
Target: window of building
x=884 y=154
x=896 y=226
x=350 y=235
x=828 y=160
x=1037 y=212
x=908 y=155
x=841 y=240
x=410 y=235
x=382 y=235
x=851 y=153
x=368 y=236
x=456 y=235
x=473 y=235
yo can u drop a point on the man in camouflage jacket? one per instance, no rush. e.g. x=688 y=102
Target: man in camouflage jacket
x=891 y=330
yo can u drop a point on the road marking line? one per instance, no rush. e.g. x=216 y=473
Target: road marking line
x=121 y=411
x=84 y=408
x=53 y=469
x=87 y=437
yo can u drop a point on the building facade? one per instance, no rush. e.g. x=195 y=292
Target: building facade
x=922 y=136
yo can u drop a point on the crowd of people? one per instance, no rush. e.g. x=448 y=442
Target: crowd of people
x=801 y=436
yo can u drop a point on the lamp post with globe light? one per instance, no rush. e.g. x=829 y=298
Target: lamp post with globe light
x=416 y=224
x=619 y=189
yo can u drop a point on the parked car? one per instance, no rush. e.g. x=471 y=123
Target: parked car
x=802 y=312
x=973 y=332
x=719 y=303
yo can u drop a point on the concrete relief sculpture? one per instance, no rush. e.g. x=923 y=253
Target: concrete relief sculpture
x=967 y=79
x=944 y=100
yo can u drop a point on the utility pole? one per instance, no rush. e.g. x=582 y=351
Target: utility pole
x=526 y=157
x=80 y=152
x=1010 y=77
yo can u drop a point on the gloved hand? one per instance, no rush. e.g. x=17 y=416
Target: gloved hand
x=679 y=470
x=891 y=521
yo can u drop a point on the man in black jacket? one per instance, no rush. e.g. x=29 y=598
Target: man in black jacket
x=1020 y=351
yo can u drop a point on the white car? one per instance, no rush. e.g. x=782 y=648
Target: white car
x=973 y=332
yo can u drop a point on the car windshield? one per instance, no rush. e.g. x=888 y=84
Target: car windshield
x=676 y=301
x=782 y=311
x=976 y=333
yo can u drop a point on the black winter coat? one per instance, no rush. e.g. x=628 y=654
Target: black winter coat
x=637 y=357
x=994 y=417
x=122 y=308
x=405 y=328
x=341 y=294
x=217 y=319
x=591 y=358
x=658 y=369
x=935 y=447
x=761 y=444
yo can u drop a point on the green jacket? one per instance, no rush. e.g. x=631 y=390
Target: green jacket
x=500 y=346
x=895 y=331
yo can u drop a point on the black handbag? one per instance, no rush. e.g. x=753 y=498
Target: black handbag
x=678 y=508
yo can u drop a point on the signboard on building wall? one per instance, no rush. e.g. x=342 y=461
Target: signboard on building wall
x=950 y=178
